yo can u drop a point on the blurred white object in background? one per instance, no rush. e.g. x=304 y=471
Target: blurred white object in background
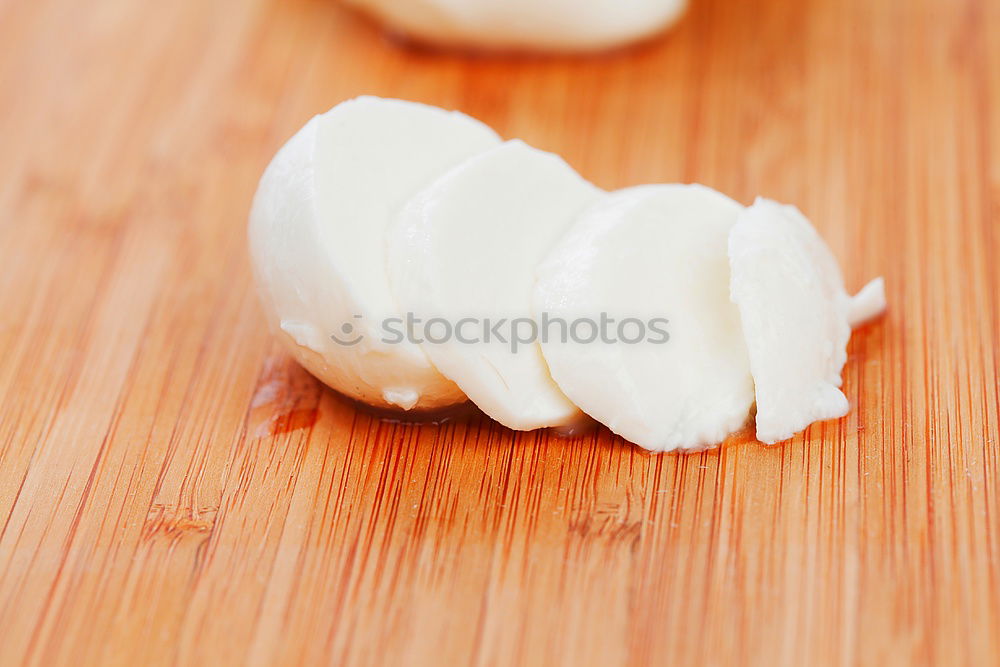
x=538 y=25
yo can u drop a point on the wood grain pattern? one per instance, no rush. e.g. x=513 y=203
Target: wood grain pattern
x=173 y=490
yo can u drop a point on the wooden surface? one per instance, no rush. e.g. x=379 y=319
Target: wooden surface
x=174 y=490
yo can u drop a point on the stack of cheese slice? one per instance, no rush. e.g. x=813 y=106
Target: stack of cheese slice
x=387 y=212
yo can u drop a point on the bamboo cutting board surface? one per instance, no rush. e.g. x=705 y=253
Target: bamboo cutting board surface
x=174 y=490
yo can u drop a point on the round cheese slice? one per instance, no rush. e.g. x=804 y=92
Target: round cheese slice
x=317 y=240
x=462 y=258
x=795 y=314
x=668 y=369
x=540 y=25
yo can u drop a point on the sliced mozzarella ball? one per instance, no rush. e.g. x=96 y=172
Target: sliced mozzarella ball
x=317 y=240
x=548 y=25
x=464 y=250
x=794 y=310
x=642 y=256
x=867 y=304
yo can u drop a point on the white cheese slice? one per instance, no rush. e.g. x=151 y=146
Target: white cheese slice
x=547 y=25
x=464 y=250
x=651 y=254
x=317 y=239
x=794 y=310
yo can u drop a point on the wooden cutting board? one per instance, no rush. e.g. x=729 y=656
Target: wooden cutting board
x=174 y=490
